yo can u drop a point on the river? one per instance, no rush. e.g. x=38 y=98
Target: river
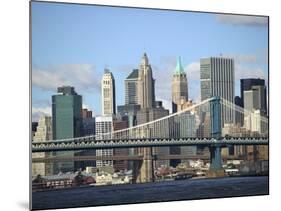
x=151 y=192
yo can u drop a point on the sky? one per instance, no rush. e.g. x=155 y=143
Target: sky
x=72 y=44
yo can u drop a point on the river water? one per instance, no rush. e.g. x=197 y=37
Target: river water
x=151 y=192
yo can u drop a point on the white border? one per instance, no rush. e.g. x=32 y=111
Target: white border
x=14 y=48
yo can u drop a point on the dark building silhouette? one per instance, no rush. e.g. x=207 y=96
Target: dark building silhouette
x=67 y=121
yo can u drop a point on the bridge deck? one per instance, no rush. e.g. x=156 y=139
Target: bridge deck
x=145 y=142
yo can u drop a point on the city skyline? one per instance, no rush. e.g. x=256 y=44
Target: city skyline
x=146 y=98
x=84 y=67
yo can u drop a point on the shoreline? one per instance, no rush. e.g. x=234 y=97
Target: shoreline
x=139 y=184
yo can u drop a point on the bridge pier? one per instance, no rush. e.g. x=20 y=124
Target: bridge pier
x=145 y=168
x=215 y=158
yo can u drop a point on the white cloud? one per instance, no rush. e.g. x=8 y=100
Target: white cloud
x=40 y=111
x=247 y=72
x=86 y=106
x=242 y=20
x=193 y=71
x=163 y=75
x=81 y=76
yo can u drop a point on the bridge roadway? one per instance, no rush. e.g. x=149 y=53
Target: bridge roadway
x=116 y=157
x=74 y=144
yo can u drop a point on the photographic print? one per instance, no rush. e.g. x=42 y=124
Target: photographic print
x=135 y=105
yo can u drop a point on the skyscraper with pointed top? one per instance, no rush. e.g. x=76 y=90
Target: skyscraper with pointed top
x=146 y=96
x=179 y=86
x=108 y=93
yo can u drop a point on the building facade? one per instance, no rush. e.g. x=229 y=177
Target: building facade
x=34 y=128
x=131 y=88
x=180 y=102
x=217 y=79
x=120 y=165
x=67 y=122
x=246 y=84
x=255 y=105
x=146 y=95
x=43 y=133
x=88 y=129
x=104 y=126
x=255 y=99
x=179 y=87
x=108 y=93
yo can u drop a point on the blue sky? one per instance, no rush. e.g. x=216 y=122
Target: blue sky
x=72 y=44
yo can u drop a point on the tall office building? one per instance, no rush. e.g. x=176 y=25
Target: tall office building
x=246 y=84
x=255 y=102
x=108 y=93
x=255 y=98
x=239 y=118
x=104 y=125
x=88 y=129
x=217 y=79
x=119 y=165
x=131 y=88
x=148 y=115
x=128 y=113
x=146 y=95
x=179 y=87
x=43 y=133
x=86 y=113
x=179 y=98
x=34 y=128
x=67 y=121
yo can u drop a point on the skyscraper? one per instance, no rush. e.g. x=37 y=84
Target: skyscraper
x=146 y=95
x=217 y=79
x=67 y=121
x=179 y=87
x=34 y=128
x=254 y=102
x=247 y=83
x=128 y=112
x=253 y=95
x=179 y=97
x=108 y=93
x=239 y=118
x=255 y=98
x=120 y=165
x=131 y=88
x=147 y=115
x=89 y=128
x=43 y=133
x=104 y=125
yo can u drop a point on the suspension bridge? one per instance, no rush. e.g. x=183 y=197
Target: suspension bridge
x=214 y=123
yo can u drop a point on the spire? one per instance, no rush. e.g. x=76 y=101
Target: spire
x=144 y=59
x=179 y=69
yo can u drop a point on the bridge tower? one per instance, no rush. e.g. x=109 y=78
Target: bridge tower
x=146 y=169
x=215 y=150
